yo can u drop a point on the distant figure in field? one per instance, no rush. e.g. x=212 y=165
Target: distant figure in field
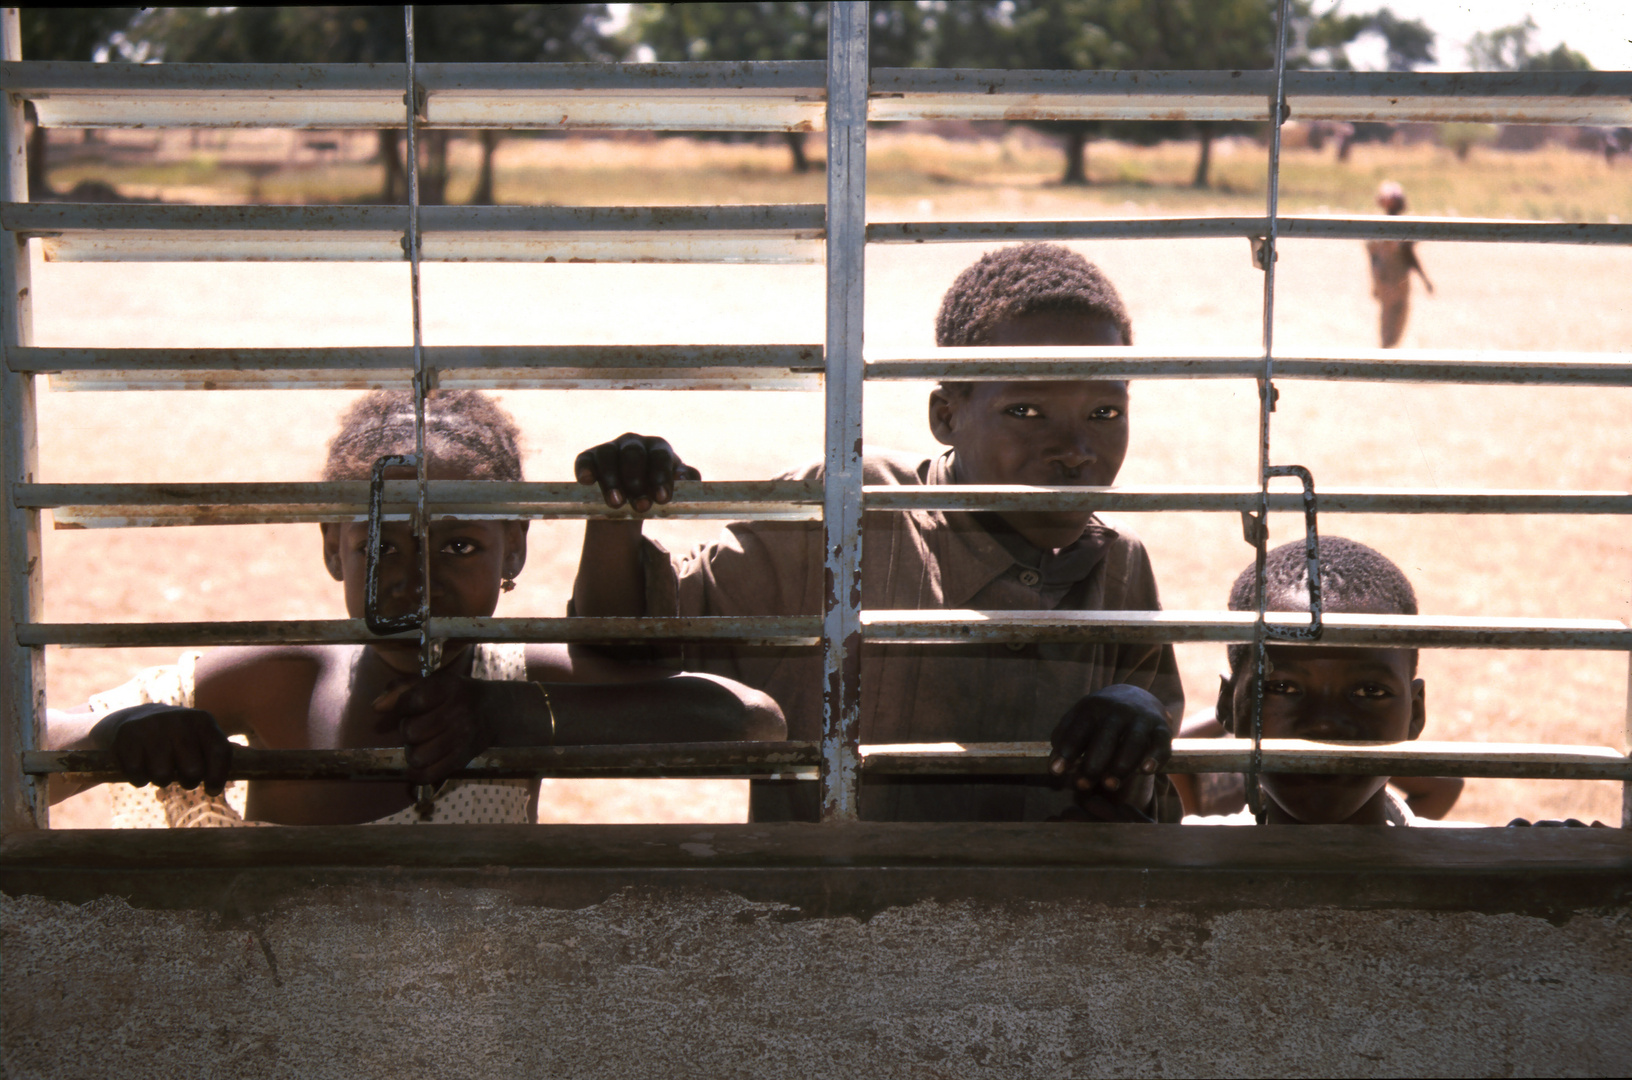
x=1391 y=264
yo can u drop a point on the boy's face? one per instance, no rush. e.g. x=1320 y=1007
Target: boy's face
x=469 y=559
x=1043 y=433
x=1332 y=694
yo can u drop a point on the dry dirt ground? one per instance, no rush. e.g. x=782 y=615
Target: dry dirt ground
x=1186 y=295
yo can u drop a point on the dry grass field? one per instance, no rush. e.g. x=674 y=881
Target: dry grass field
x=1182 y=294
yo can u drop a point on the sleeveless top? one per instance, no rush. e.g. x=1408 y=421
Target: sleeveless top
x=457 y=802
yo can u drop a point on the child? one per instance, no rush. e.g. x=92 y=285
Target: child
x=1112 y=703
x=1391 y=264
x=1327 y=692
x=173 y=724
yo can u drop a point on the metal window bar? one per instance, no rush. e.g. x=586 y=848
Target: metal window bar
x=780 y=95
x=754 y=97
x=762 y=367
x=92 y=506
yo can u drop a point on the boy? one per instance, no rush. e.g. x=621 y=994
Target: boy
x=1325 y=692
x=1391 y=264
x=1115 y=701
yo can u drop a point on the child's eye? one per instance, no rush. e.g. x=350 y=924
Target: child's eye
x=1024 y=412
x=460 y=547
x=386 y=548
x=1108 y=412
x=1280 y=686
x=1373 y=690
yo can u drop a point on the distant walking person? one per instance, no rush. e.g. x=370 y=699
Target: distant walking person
x=1391 y=264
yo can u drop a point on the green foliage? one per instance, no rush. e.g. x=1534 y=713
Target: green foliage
x=1410 y=42
x=1508 y=49
x=53 y=33
x=374 y=34
x=899 y=35
x=1196 y=35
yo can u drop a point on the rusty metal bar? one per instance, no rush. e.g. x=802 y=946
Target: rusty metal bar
x=776 y=95
x=1156 y=627
x=1367 y=365
x=22 y=583
x=1520 y=760
x=847 y=26
x=96 y=506
x=467 y=367
x=1597 y=97
x=430 y=647
x=1141 y=499
x=1422 y=758
x=762 y=630
x=140 y=232
x=946 y=626
x=89 y=506
x=708 y=96
x=1298 y=228
x=1626 y=746
x=785 y=233
x=1265 y=255
x=766 y=367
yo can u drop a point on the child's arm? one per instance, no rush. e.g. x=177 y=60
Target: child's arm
x=1411 y=263
x=153 y=744
x=162 y=743
x=635 y=471
x=448 y=719
x=1113 y=740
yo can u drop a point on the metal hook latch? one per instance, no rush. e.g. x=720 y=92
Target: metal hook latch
x=378 y=623
x=1311 y=539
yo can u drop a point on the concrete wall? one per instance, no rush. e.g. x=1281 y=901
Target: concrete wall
x=705 y=962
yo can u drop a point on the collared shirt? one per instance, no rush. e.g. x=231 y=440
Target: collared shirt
x=922 y=693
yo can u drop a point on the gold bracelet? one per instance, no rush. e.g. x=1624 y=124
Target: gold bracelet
x=549 y=707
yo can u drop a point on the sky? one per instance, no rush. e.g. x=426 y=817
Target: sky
x=1597 y=28
x=1600 y=29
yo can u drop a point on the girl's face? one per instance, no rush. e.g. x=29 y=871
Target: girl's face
x=469 y=559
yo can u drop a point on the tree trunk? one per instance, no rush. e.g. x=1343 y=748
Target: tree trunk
x=1076 y=157
x=483 y=195
x=394 y=187
x=796 y=146
x=433 y=175
x=39 y=174
x=1204 y=163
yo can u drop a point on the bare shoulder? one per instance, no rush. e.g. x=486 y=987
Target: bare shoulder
x=240 y=683
x=240 y=662
x=553 y=663
x=558 y=664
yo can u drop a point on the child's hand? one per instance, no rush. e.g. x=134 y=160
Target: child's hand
x=1111 y=739
x=439 y=720
x=635 y=470
x=163 y=744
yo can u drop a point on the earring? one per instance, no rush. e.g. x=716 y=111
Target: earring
x=506 y=584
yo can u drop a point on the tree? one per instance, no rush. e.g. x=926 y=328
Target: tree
x=1508 y=49
x=776 y=31
x=1409 y=42
x=63 y=34
x=1128 y=34
x=374 y=35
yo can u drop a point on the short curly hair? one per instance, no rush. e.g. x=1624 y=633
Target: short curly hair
x=1016 y=281
x=465 y=428
x=1353 y=577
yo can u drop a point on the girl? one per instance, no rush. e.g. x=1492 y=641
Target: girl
x=171 y=726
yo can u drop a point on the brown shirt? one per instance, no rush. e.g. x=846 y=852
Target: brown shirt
x=922 y=693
